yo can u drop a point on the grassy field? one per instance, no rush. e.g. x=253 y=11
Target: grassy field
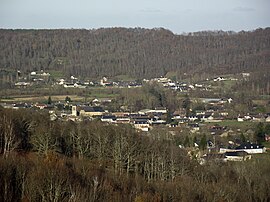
x=43 y=99
x=262 y=157
x=224 y=86
x=266 y=144
x=54 y=98
x=27 y=95
x=234 y=124
x=56 y=74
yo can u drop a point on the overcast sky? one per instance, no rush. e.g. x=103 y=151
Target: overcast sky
x=177 y=15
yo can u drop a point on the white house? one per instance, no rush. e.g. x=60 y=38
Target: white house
x=237 y=156
x=247 y=147
x=109 y=119
x=142 y=125
x=240 y=119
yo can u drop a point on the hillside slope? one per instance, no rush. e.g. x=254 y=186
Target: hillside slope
x=135 y=52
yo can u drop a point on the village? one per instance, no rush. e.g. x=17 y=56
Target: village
x=214 y=120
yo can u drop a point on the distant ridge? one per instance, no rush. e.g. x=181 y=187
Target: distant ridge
x=137 y=52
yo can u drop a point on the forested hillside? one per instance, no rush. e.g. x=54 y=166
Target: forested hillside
x=138 y=52
x=41 y=160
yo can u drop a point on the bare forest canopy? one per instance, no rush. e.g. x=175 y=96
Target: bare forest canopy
x=137 y=52
x=43 y=160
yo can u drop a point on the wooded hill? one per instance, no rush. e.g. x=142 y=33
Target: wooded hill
x=138 y=52
x=43 y=160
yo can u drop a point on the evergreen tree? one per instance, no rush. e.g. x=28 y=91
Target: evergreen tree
x=68 y=99
x=242 y=138
x=49 y=100
x=203 y=143
x=186 y=105
x=186 y=142
x=260 y=133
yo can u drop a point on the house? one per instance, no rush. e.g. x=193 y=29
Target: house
x=61 y=81
x=212 y=157
x=91 y=111
x=219 y=79
x=247 y=117
x=41 y=106
x=207 y=118
x=138 y=117
x=104 y=82
x=198 y=85
x=33 y=73
x=173 y=125
x=99 y=101
x=75 y=111
x=79 y=85
x=121 y=114
x=42 y=73
x=240 y=119
x=162 y=80
x=230 y=100
x=248 y=147
x=69 y=85
x=142 y=124
x=210 y=100
x=183 y=120
x=251 y=148
x=237 y=156
x=200 y=112
x=223 y=113
x=7 y=106
x=244 y=74
x=108 y=118
x=75 y=85
x=267 y=138
x=192 y=118
x=224 y=157
x=21 y=106
x=179 y=114
x=258 y=118
x=49 y=107
x=217 y=130
x=134 y=85
x=194 y=127
x=22 y=84
x=159 y=110
x=157 y=122
x=123 y=119
x=145 y=111
x=53 y=117
x=73 y=78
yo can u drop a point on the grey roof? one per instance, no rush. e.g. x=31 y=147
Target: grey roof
x=92 y=109
x=140 y=121
x=236 y=153
x=249 y=146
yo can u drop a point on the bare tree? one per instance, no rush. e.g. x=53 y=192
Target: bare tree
x=9 y=140
x=43 y=140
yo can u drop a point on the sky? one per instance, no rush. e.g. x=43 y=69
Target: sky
x=179 y=16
